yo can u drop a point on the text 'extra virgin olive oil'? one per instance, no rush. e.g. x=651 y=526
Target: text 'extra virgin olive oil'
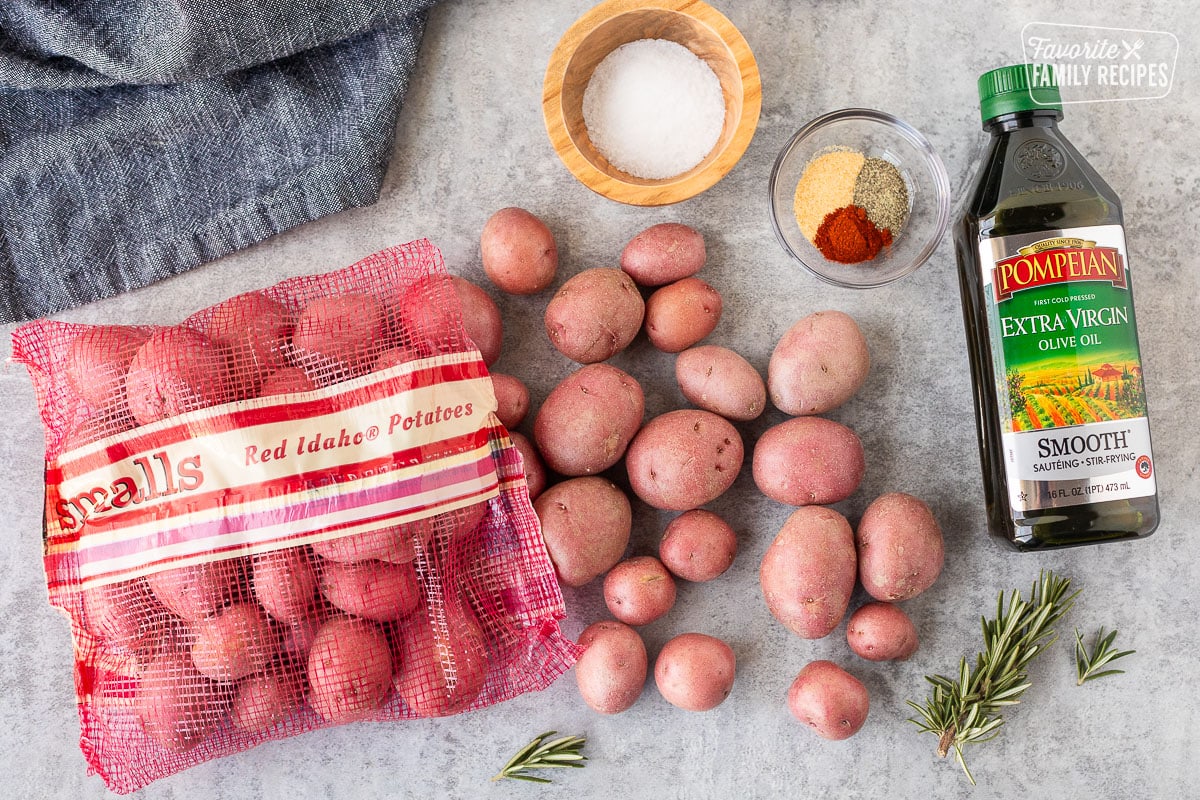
x=1060 y=403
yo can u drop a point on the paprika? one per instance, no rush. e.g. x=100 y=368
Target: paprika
x=848 y=236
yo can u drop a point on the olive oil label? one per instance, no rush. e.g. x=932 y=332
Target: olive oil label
x=1068 y=372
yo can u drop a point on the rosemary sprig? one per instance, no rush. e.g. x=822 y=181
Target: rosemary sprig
x=967 y=709
x=540 y=754
x=1087 y=664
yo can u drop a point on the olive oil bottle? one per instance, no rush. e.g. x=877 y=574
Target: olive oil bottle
x=1060 y=403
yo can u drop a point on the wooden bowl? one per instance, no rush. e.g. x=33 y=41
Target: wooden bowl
x=693 y=24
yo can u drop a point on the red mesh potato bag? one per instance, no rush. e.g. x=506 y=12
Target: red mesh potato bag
x=295 y=509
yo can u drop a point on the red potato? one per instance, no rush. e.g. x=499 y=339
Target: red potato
x=97 y=360
x=698 y=546
x=664 y=253
x=587 y=421
x=176 y=705
x=808 y=572
x=586 y=524
x=512 y=399
x=681 y=314
x=900 y=547
x=612 y=670
x=374 y=590
x=264 y=699
x=818 y=364
x=394 y=357
x=177 y=370
x=808 y=461
x=481 y=318
x=518 y=251
x=719 y=380
x=881 y=632
x=395 y=544
x=197 y=591
x=349 y=670
x=235 y=643
x=695 y=672
x=286 y=380
x=535 y=470
x=285 y=583
x=595 y=315
x=123 y=615
x=829 y=700
x=421 y=321
x=252 y=332
x=639 y=590
x=95 y=427
x=338 y=337
x=443 y=661
x=684 y=459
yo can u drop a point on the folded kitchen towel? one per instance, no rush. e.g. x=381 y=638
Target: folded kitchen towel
x=141 y=138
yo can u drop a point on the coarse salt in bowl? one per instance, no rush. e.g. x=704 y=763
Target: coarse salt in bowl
x=875 y=134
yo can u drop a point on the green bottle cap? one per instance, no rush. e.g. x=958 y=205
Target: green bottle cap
x=1020 y=87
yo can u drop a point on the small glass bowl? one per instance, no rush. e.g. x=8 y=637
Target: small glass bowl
x=879 y=135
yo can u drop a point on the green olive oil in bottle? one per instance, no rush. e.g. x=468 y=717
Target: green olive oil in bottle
x=1048 y=308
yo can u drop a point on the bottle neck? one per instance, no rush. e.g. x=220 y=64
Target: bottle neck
x=1041 y=118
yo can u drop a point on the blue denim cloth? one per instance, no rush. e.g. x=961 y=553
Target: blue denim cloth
x=141 y=138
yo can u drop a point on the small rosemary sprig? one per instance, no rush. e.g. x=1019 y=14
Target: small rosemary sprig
x=967 y=709
x=1087 y=664
x=540 y=754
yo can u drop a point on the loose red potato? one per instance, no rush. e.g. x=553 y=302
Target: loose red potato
x=285 y=583
x=233 y=644
x=719 y=380
x=349 y=670
x=176 y=705
x=97 y=360
x=443 y=660
x=695 y=672
x=829 y=700
x=684 y=459
x=286 y=380
x=900 y=547
x=481 y=318
x=698 y=546
x=252 y=331
x=595 y=315
x=264 y=699
x=123 y=615
x=588 y=420
x=881 y=632
x=338 y=337
x=612 y=670
x=586 y=524
x=681 y=314
x=819 y=363
x=175 y=371
x=808 y=461
x=518 y=250
x=664 y=253
x=512 y=399
x=807 y=574
x=639 y=590
x=535 y=470
x=374 y=590
x=197 y=591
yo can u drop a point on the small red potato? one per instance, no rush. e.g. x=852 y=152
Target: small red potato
x=664 y=253
x=512 y=399
x=829 y=700
x=177 y=370
x=719 y=380
x=595 y=315
x=97 y=360
x=684 y=459
x=197 y=591
x=349 y=670
x=395 y=544
x=698 y=546
x=808 y=461
x=176 y=705
x=881 y=632
x=264 y=699
x=818 y=364
x=535 y=470
x=252 y=332
x=285 y=583
x=233 y=644
x=900 y=547
x=123 y=615
x=681 y=314
x=481 y=318
x=808 y=572
x=588 y=420
x=586 y=524
x=639 y=590
x=338 y=336
x=394 y=357
x=443 y=661
x=518 y=250
x=612 y=670
x=286 y=380
x=374 y=590
x=695 y=672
